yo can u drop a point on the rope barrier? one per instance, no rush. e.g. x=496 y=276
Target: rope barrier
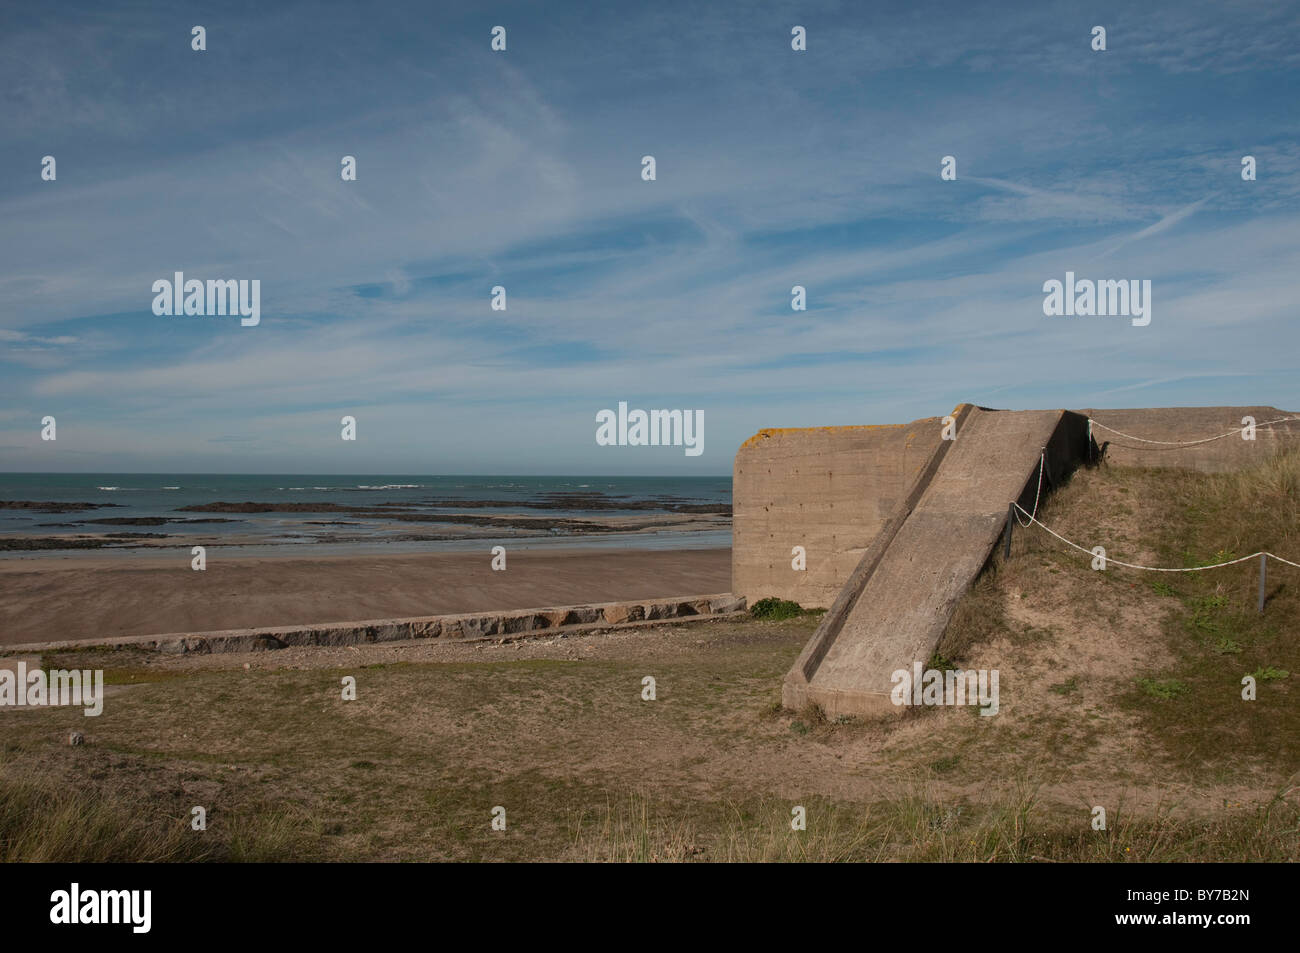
x=1187 y=443
x=1042 y=460
x=1084 y=549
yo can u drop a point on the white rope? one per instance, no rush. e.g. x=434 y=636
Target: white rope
x=1042 y=460
x=1190 y=443
x=1117 y=562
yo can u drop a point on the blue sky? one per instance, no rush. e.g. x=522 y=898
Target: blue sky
x=522 y=168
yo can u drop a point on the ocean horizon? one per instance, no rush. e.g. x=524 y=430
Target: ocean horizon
x=321 y=513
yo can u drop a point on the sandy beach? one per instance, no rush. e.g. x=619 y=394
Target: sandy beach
x=54 y=598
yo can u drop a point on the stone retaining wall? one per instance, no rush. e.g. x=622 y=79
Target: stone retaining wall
x=476 y=625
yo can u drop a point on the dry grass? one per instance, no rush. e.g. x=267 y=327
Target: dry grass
x=1206 y=622
x=1118 y=690
x=925 y=827
x=46 y=822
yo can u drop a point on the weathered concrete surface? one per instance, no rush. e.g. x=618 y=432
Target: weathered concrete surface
x=897 y=606
x=827 y=489
x=514 y=624
x=833 y=490
x=1193 y=424
x=795 y=691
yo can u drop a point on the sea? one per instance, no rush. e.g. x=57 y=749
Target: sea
x=306 y=514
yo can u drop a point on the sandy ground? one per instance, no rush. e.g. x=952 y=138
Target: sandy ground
x=558 y=731
x=55 y=598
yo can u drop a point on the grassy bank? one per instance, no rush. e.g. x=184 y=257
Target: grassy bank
x=1120 y=690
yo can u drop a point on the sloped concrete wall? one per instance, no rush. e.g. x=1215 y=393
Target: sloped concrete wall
x=827 y=489
x=906 y=598
x=1192 y=424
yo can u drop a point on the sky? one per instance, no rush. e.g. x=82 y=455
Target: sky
x=522 y=168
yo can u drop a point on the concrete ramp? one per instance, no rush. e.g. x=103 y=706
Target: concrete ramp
x=895 y=607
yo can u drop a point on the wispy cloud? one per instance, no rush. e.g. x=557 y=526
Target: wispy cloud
x=776 y=169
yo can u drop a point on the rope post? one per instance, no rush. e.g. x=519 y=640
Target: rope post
x=1011 y=521
x=1263 y=575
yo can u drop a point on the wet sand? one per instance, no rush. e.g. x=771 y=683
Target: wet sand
x=54 y=598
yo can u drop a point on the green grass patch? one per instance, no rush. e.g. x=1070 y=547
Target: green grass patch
x=1067 y=687
x=1268 y=673
x=1165 y=689
x=940 y=662
x=775 y=610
